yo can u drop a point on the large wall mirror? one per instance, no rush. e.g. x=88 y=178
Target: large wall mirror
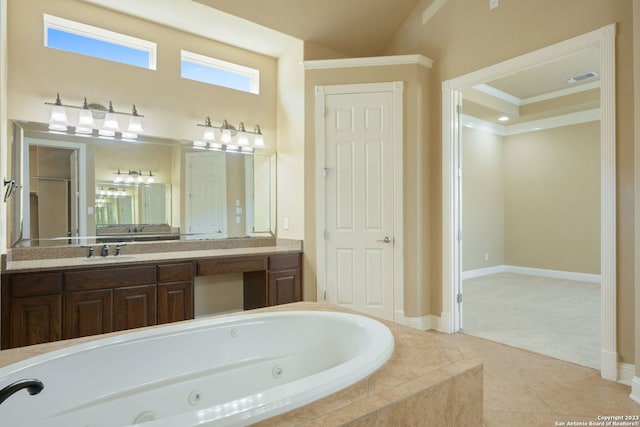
x=76 y=190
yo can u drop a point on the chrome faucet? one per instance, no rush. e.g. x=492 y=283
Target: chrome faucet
x=33 y=387
x=90 y=255
x=118 y=246
x=104 y=251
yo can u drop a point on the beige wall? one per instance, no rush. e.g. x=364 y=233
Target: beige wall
x=290 y=164
x=466 y=36
x=416 y=173
x=482 y=199
x=533 y=199
x=552 y=199
x=172 y=106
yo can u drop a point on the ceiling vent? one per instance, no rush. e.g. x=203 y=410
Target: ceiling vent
x=581 y=77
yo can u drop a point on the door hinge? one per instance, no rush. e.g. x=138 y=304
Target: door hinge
x=459 y=298
x=459 y=173
x=326 y=235
x=460 y=236
x=325 y=171
x=459 y=108
x=326 y=111
x=324 y=295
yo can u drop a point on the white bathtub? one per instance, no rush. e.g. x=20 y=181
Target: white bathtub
x=235 y=370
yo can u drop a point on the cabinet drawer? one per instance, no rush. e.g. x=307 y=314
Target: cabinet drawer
x=175 y=272
x=232 y=265
x=109 y=278
x=34 y=284
x=284 y=261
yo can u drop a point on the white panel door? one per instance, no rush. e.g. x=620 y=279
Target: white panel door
x=359 y=202
x=206 y=193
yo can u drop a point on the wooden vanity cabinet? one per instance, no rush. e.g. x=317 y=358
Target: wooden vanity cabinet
x=284 y=284
x=31 y=309
x=38 y=307
x=111 y=299
x=43 y=307
x=175 y=292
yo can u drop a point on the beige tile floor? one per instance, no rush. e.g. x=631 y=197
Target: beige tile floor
x=522 y=388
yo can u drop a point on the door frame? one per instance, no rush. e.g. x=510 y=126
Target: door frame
x=396 y=89
x=81 y=149
x=604 y=39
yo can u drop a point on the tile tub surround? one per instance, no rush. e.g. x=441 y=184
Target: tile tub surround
x=426 y=382
x=47 y=258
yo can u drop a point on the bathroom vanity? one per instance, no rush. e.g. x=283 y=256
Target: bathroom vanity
x=61 y=298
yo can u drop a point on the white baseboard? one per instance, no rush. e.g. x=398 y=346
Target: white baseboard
x=626 y=372
x=556 y=274
x=635 y=389
x=423 y=323
x=470 y=274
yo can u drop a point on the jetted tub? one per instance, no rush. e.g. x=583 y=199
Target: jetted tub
x=234 y=370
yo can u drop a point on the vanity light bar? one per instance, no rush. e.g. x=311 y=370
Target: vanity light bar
x=133 y=177
x=230 y=138
x=58 y=121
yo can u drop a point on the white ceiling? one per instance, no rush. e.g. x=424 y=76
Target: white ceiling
x=538 y=92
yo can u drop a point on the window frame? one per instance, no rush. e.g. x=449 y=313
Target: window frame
x=206 y=61
x=100 y=34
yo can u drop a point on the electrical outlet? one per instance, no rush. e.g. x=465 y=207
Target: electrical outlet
x=286 y=223
x=493 y=4
x=486 y=257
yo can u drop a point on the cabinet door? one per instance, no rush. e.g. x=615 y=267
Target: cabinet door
x=87 y=313
x=134 y=307
x=284 y=287
x=35 y=320
x=175 y=302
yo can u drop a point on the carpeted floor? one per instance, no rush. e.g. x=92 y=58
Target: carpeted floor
x=555 y=317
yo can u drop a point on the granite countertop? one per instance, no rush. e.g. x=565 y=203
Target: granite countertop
x=38 y=259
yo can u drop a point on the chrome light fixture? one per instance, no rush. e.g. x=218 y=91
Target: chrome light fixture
x=87 y=119
x=209 y=133
x=226 y=132
x=241 y=143
x=243 y=137
x=133 y=177
x=110 y=125
x=58 y=120
x=258 y=140
x=135 y=125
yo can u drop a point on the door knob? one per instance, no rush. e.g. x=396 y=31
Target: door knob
x=387 y=239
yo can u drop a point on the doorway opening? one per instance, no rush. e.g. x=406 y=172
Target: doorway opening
x=55 y=181
x=604 y=40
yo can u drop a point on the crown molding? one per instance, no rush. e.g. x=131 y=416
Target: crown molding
x=563 y=92
x=374 y=61
x=532 y=126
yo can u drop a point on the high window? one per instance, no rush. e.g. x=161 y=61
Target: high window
x=221 y=73
x=71 y=36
